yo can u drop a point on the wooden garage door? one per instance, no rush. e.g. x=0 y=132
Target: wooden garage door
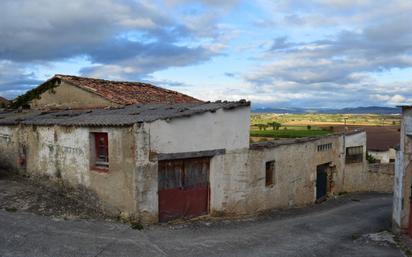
x=183 y=188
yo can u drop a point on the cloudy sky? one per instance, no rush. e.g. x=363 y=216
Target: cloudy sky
x=296 y=53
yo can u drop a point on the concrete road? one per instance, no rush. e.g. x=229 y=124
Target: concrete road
x=329 y=229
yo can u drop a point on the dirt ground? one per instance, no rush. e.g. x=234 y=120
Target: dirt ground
x=25 y=194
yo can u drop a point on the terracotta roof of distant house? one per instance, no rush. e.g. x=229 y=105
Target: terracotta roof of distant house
x=3 y=100
x=382 y=138
x=126 y=93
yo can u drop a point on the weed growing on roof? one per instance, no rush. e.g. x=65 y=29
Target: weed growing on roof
x=25 y=99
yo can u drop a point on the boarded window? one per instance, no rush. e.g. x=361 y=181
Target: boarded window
x=354 y=154
x=324 y=147
x=270 y=173
x=101 y=147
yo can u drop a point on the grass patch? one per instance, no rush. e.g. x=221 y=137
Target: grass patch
x=136 y=225
x=290 y=133
x=402 y=246
x=355 y=237
x=11 y=209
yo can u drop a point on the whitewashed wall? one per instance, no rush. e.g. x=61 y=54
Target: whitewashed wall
x=397 y=192
x=224 y=129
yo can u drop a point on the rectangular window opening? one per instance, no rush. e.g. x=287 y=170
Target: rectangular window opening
x=100 y=151
x=270 y=174
x=354 y=154
x=324 y=147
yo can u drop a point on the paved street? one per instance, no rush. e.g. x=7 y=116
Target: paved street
x=333 y=228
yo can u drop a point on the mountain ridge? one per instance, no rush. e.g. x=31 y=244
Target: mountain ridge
x=347 y=110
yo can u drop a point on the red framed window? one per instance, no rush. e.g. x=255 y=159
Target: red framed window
x=101 y=143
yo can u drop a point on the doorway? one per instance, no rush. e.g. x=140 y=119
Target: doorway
x=322 y=181
x=183 y=188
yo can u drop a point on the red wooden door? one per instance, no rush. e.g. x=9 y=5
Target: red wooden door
x=183 y=188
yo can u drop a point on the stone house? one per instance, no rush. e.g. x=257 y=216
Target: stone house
x=155 y=155
x=157 y=162
x=72 y=92
x=116 y=153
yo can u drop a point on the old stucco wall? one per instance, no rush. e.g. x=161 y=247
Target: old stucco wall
x=146 y=176
x=380 y=177
x=224 y=129
x=383 y=156
x=238 y=177
x=362 y=177
x=398 y=215
x=64 y=152
x=9 y=154
x=66 y=95
x=355 y=174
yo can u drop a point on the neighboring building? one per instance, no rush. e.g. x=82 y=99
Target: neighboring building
x=72 y=92
x=383 y=155
x=119 y=154
x=382 y=142
x=402 y=214
x=3 y=102
x=159 y=162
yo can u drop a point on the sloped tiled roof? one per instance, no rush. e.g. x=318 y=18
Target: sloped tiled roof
x=3 y=100
x=126 y=93
x=122 y=116
x=382 y=138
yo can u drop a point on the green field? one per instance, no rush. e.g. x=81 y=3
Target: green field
x=288 y=133
x=305 y=119
x=308 y=125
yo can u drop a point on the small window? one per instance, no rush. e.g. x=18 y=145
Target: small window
x=270 y=173
x=101 y=150
x=354 y=154
x=324 y=147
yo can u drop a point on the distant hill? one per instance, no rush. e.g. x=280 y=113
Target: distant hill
x=356 y=110
x=370 y=109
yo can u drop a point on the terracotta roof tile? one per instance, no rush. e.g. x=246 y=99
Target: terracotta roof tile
x=126 y=93
x=3 y=100
x=382 y=138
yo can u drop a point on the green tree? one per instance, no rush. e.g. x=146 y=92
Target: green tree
x=309 y=127
x=275 y=125
x=262 y=126
x=370 y=158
